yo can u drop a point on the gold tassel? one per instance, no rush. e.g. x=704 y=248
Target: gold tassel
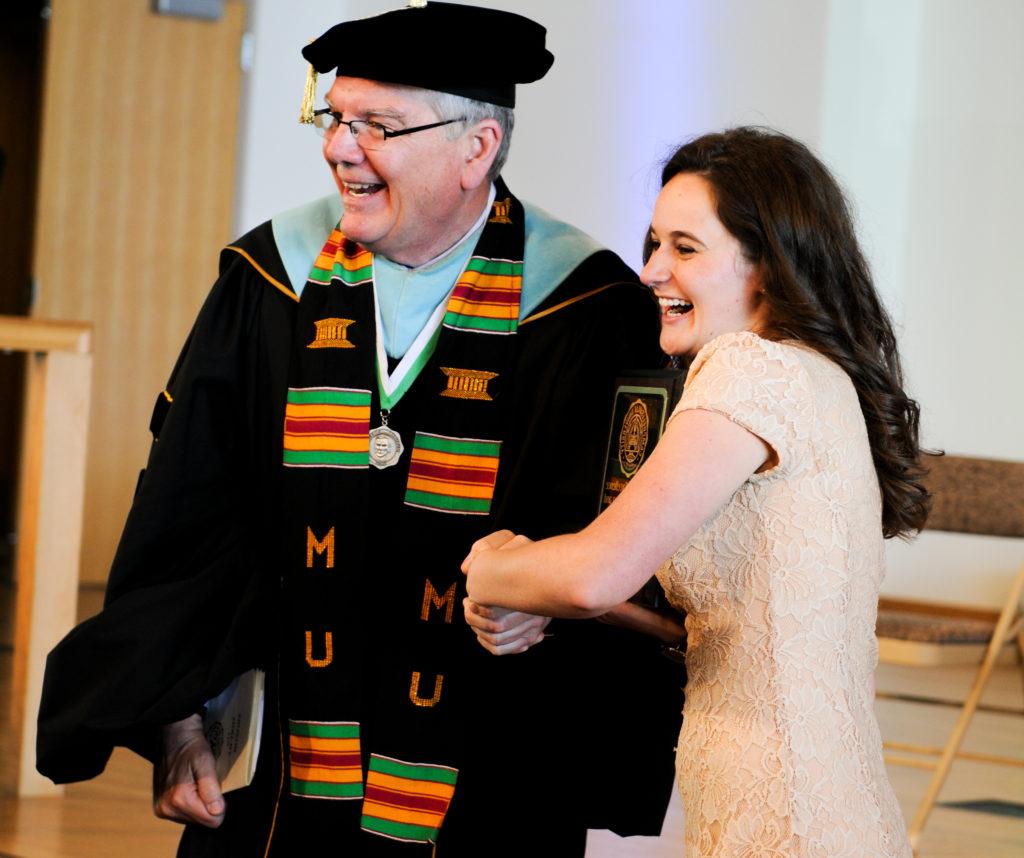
x=308 y=97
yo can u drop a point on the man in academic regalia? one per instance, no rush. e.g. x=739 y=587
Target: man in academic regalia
x=376 y=380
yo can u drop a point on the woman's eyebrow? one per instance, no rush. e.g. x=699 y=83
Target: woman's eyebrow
x=676 y=234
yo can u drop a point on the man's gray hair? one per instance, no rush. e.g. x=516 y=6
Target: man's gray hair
x=448 y=106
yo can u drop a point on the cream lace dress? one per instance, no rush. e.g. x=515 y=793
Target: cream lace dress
x=780 y=753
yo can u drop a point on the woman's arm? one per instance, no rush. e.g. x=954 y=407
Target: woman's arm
x=667 y=628
x=701 y=460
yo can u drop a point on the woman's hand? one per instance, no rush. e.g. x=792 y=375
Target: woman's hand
x=493 y=541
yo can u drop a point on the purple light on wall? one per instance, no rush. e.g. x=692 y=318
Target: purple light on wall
x=664 y=56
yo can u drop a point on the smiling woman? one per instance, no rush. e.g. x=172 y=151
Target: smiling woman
x=704 y=283
x=792 y=224
x=763 y=508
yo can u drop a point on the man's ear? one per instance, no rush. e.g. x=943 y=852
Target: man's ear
x=482 y=143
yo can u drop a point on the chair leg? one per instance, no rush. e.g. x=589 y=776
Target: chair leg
x=999 y=637
x=1020 y=654
x=949 y=754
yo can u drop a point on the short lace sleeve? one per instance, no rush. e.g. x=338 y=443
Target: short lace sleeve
x=758 y=384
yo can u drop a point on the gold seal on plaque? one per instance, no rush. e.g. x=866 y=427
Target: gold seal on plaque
x=633 y=437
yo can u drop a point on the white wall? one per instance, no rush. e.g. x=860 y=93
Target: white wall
x=279 y=163
x=914 y=104
x=963 y=284
x=630 y=81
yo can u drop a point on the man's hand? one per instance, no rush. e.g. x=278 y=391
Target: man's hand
x=504 y=632
x=185 y=785
x=501 y=631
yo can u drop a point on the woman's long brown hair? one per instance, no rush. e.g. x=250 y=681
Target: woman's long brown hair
x=793 y=222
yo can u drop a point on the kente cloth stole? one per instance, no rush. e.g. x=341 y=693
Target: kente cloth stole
x=374 y=644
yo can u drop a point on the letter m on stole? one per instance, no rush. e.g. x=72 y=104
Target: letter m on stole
x=319 y=546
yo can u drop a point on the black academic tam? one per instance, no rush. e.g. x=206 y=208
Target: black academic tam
x=464 y=50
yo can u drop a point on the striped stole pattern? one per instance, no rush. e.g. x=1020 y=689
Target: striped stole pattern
x=325 y=759
x=406 y=801
x=452 y=474
x=449 y=466
x=343 y=260
x=327 y=427
x=486 y=298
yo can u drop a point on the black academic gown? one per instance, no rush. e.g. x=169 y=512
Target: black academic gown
x=578 y=732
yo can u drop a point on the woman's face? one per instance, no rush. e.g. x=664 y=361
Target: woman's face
x=697 y=270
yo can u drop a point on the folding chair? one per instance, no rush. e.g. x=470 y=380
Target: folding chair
x=979 y=496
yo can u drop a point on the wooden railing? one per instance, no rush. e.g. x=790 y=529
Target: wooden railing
x=51 y=488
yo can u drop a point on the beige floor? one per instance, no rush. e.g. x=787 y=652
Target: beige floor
x=110 y=816
x=950 y=833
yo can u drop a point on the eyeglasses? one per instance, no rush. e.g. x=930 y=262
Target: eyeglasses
x=368 y=134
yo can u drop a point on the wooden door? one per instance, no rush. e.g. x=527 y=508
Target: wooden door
x=136 y=190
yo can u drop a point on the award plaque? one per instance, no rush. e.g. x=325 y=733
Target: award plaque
x=643 y=402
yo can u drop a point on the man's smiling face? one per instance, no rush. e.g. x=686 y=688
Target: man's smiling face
x=401 y=199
